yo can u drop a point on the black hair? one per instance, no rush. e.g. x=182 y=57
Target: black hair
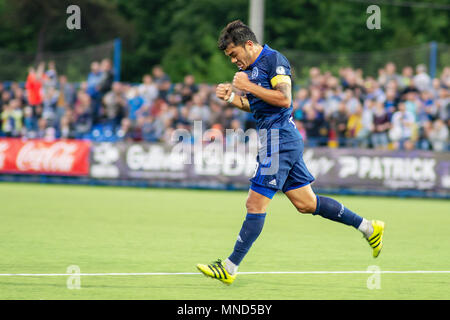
x=235 y=32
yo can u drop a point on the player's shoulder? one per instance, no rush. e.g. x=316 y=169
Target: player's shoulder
x=275 y=59
x=274 y=55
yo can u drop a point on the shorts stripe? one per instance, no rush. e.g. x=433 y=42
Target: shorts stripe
x=298 y=186
x=265 y=191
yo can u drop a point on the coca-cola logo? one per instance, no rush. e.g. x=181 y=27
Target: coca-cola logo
x=57 y=157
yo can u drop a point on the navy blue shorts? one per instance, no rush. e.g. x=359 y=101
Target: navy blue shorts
x=281 y=168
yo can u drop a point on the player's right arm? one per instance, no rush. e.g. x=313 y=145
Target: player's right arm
x=224 y=91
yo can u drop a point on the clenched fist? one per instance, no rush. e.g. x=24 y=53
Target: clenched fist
x=241 y=81
x=223 y=91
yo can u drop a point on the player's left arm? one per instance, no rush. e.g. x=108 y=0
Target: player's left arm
x=279 y=96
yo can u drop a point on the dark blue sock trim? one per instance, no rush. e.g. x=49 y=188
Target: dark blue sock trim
x=255 y=216
x=317 y=205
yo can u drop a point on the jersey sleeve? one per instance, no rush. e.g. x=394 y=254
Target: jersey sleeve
x=279 y=70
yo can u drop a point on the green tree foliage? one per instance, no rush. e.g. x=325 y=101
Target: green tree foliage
x=36 y=26
x=182 y=34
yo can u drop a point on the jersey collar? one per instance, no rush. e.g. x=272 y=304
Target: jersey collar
x=263 y=51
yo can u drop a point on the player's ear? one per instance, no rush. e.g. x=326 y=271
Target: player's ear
x=249 y=45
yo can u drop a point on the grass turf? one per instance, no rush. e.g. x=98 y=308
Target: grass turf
x=46 y=228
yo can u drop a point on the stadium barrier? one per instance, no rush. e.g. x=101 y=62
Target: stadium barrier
x=59 y=157
x=358 y=171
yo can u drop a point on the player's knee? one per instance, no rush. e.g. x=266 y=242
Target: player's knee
x=254 y=206
x=306 y=206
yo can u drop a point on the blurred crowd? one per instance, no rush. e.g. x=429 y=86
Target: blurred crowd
x=398 y=109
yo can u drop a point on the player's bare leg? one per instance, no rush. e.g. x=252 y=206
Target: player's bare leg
x=256 y=202
x=306 y=201
x=256 y=205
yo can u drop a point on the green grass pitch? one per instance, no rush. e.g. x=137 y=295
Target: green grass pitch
x=46 y=228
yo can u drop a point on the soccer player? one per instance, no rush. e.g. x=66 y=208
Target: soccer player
x=265 y=78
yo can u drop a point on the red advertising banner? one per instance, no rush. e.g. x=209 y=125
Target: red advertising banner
x=59 y=157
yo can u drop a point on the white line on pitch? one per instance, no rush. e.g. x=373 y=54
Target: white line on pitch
x=194 y=273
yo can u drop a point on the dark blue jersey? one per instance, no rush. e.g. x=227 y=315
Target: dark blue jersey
x=269 y=68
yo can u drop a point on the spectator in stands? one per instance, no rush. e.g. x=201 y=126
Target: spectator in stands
x=227 y=117
x=443 y=105
x=381 y=79
x=403 y=126
x=312 y=124
x=18 y=93
x=314 y=77
x=301 y=99
x=5 y=98
x=391 y=102
x=412 y=103
x=96 y=82
x=216 y=112
x=148 y=90
x=422 y=80
x=134 y=102
x=29 y=123
x=406 y=79
x=427 y=110
x=367 y=113
x=126 y=132
x=162 y=80
x=170 y=113
x=107 y=77
x=234 y=136
x=199 y=111
x=381 y=126
x=152 y=129
x=435 y=87
x=350 y=80
x=114 y=105
x=445 y=78
x=41 y=128
x=316 y=103
x=174 y=99
x=182 y=121
x=49 y=102
x=373 y=91
x=11 y=117
x=391 y=73
x=301 y=129
x=82 y=115
x=351 y=101
x=354 y=127
x=423 y=140
x=93 y=80
x=338 y=122
x=439 y=135
x=33 y=86
x=65 y=129
x=50 y=76
x=66 y=97
x=188 y=88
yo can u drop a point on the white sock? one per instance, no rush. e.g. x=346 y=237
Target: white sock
x=230 y=266
x=366 y=228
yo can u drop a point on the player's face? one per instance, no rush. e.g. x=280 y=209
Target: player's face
x=240 y=55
